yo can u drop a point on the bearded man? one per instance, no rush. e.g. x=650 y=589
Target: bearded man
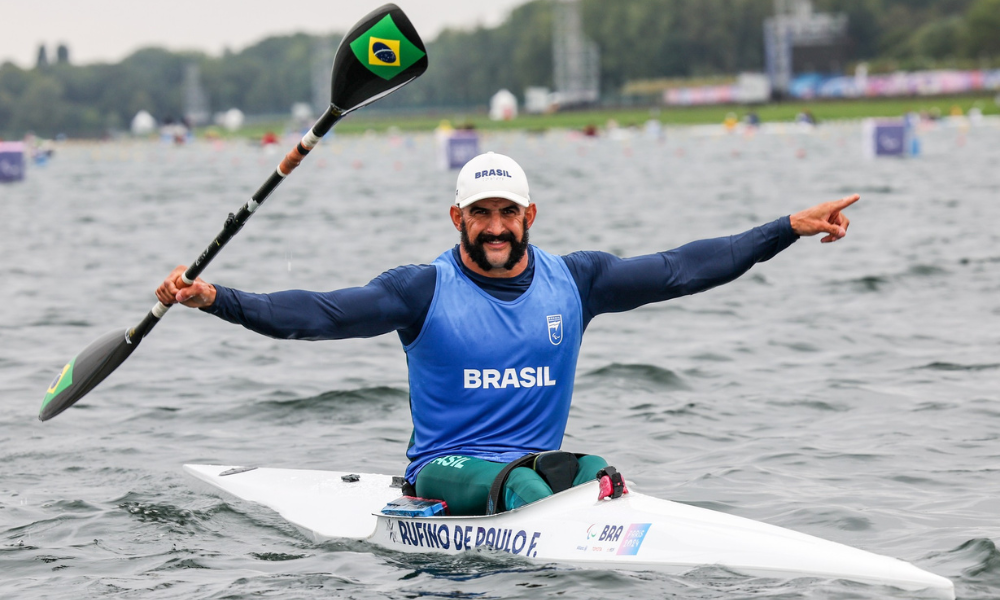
x=492 y=330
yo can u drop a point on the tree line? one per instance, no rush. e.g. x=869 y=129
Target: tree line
x=639 y=39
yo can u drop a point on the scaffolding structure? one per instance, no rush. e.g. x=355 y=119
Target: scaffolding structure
x=196 y=110
x=797 y=39
x=322 y=58
x=576 y=58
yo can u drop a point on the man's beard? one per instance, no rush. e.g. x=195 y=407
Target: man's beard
x=477 y=250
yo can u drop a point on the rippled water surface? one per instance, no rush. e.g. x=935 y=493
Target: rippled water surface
x=849 y=391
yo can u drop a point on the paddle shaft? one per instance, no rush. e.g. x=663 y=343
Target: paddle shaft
x=236 y=221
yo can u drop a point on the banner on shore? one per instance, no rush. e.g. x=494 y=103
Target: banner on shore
x=819 y=86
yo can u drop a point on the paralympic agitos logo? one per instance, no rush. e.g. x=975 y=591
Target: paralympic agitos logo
x=384 y=50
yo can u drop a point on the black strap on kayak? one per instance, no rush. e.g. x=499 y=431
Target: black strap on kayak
x=495 y=503
x=617 y=481
x=557 y=468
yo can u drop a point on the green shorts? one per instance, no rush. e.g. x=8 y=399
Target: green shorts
x=464 y=482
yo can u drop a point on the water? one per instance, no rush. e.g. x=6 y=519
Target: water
x=848 y=391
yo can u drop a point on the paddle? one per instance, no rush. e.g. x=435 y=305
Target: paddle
x=378 y=56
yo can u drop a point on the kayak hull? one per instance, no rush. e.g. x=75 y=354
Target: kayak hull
x=635 y=531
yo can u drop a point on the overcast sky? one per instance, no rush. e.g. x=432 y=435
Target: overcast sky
x=110 y=30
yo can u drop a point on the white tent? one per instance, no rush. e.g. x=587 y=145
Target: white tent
x=302 y=111
x=232 y=119
x=503 y=106
x=143 y=123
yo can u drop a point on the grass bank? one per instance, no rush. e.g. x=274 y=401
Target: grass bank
x=371 y=120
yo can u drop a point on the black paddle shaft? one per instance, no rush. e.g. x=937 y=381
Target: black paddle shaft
x=235 y=222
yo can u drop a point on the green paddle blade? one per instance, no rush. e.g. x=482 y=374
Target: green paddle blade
x=379 y=55
x=85 y=371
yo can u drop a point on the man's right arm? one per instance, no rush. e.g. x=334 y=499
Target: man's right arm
x=397 y=300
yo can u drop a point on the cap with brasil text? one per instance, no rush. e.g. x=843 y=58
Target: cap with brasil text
x=491 y=175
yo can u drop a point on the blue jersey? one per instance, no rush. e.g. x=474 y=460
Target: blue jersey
x=490 y=378
x=485 y=349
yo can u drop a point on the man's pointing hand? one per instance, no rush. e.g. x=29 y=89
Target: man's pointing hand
x=824 y=218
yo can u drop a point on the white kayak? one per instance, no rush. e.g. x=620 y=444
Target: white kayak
x=635 y=531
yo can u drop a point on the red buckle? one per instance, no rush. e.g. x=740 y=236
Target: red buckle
x=612 y=483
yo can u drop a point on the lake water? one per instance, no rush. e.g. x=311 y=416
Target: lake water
x=846 y=390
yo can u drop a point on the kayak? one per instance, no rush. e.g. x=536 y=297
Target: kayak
x=635 y=531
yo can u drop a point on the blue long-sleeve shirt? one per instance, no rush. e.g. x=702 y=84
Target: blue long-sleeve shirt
x=398 y=300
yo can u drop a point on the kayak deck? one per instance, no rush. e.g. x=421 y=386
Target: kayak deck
x=635 y=531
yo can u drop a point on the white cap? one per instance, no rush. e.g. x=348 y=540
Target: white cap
x=491 y=175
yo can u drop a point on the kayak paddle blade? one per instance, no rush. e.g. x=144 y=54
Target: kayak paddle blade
x=378 y=56
x=86 y=370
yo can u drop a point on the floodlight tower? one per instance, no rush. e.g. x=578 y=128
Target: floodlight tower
x=576 y=59
x=322 y=58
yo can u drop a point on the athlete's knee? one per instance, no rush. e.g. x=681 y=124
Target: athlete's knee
x=524 y=486
x=589 y=465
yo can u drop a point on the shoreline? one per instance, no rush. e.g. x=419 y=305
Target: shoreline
x=783 y=112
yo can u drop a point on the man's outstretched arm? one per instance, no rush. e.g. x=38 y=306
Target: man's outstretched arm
x=394 y=301
x=611 y=284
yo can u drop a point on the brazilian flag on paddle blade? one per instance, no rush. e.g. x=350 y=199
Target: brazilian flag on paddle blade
x=381 y=53
x=86 y=370
x=62 y=381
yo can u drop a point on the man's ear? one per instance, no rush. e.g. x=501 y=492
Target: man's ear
x=530 y=213
x=456 y=217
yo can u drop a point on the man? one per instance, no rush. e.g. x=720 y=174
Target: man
x=492 y=328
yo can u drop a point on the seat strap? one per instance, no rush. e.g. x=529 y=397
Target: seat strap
x=556 y=480
x=495 y=503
